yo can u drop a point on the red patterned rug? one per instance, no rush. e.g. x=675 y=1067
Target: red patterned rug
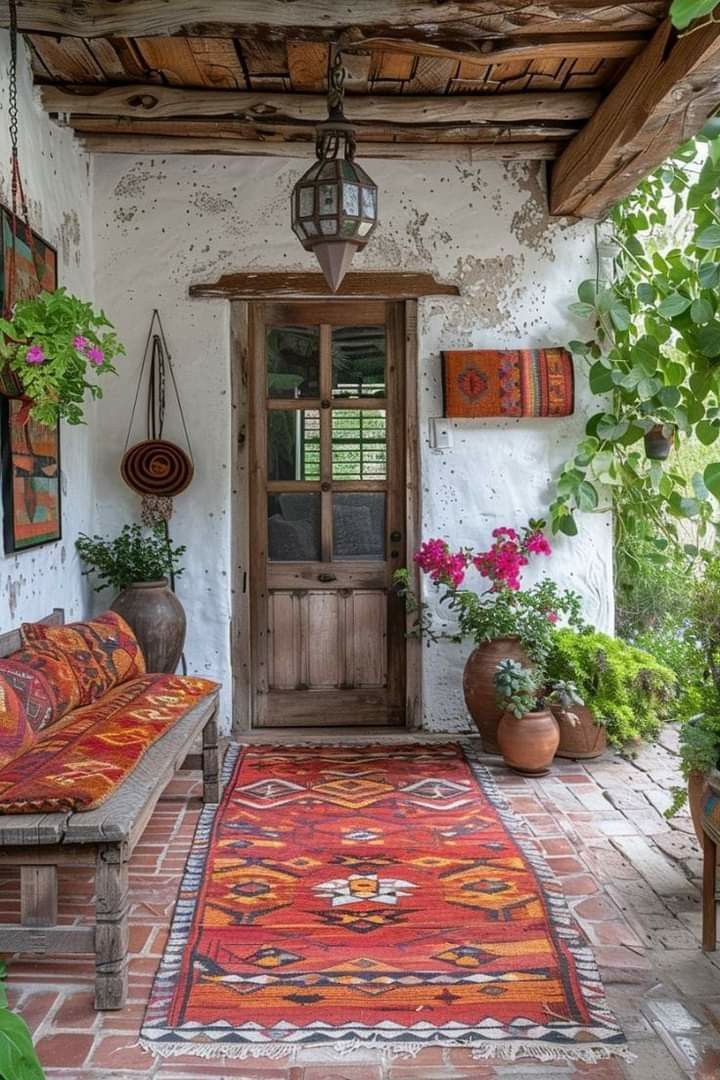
x=354 y=896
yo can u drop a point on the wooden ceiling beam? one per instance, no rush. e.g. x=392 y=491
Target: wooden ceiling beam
x=165 y=102
x=142 y=18
x=467 y=153
x=664 y=98
x=588 y=46
x=288 y=284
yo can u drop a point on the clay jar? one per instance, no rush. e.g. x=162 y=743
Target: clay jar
x=157 y=619
x=583 y=739
x=528 y=744
x=479 y=685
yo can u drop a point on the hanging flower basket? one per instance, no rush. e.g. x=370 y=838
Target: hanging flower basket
x=658 y=441
x=53 y=343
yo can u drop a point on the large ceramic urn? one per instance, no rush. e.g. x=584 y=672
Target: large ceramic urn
x=479 y=685
x=157 y=619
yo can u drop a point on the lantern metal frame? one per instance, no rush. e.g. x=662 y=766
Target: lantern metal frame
x=334 y=204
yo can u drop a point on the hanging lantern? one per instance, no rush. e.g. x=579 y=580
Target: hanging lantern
x=334 y=205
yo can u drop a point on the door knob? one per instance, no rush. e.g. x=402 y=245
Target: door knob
x=326 y=577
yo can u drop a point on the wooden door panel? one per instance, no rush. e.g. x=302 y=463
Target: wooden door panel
x=328 y=520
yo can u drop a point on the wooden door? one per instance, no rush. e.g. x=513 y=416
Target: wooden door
x=327 y=409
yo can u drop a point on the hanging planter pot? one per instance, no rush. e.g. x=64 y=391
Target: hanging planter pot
x=659 y=441
x=10 y=385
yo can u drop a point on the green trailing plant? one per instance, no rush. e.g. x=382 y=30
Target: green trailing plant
x=522 y=690
x=699 y=747
x=18 y=1059
x=685 y=12
x=54 y=342
x=627 y=689
x=134 y=555
x=652 y=358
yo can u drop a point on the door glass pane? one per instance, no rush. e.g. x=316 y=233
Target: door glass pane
x=294 y=527
x=293 y=361
x=358 y=360
x=359 y=525
x=359 y=450
x=293 y=444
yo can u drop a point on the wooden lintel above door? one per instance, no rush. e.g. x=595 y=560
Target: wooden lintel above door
x=362 y=285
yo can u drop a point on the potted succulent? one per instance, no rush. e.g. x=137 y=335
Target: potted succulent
x=528 y=733
x=140 y=564
x=53 y=343
x=504 y=620
x=626 y=692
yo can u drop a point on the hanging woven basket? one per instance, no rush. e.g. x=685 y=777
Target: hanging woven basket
x=156 y=467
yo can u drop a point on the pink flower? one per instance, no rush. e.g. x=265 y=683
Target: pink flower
x=538 y=544
x=435 y=558
x=80 y=342
x=551 y=616
x=35 y=355
x=95 y=354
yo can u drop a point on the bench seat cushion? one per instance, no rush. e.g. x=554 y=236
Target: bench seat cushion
x=81 y=759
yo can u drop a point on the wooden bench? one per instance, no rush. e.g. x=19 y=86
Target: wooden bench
x=103 y=838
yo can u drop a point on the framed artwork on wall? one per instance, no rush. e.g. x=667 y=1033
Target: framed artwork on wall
x=29 y=452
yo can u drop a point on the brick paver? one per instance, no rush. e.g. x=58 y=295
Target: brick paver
x=631 y=877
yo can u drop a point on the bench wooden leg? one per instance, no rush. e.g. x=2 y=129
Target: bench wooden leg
x=111 y=932
x=709 y=915
x=38 y=895
x=211 y=761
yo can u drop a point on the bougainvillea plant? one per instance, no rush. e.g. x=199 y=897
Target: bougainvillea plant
x=504 y=608
x=53 y=343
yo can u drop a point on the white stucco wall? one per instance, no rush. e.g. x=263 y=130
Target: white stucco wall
x=163 y=223
x=58 y=185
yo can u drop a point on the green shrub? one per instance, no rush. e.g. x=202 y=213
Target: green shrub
x=18 y=1060
x=627 y=689
x=133 y=555
x=672 y=647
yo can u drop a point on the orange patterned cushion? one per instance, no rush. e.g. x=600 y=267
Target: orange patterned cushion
x=16 y=732
x=103 y=652
x=44 y=682
x=81 y=760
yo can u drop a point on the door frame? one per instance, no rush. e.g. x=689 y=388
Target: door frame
x=241 y=631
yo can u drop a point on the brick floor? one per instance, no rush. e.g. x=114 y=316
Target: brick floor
x=631 y=878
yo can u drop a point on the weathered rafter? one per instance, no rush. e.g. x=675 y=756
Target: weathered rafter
x=165 y=102
x=468 y=153
x=664 y=98
x=587 y=46
x=100 y=18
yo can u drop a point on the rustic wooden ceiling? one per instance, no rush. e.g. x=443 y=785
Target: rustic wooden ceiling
x=425 y=78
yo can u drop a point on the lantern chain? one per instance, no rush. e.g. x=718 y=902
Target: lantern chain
x=12 y=104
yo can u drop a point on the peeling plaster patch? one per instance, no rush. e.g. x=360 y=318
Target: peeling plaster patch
x=531 y=224
x=70 y=237
x=491 y=289
x=211 y=204
x=12 y=591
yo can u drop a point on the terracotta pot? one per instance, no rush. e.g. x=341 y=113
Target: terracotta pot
x=10 y=385
x=583 y=739
x=157 y=618
x=657 y=444
x=528 y=745
x=479 y=685
x=696 y=790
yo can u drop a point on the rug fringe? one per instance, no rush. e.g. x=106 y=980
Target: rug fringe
x=490 y=1051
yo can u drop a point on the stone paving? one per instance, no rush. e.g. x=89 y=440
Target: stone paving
x=631 y=877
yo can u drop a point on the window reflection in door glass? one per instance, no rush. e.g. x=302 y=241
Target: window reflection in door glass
x=294 y=526
x=358 y=361
x=293 y=361
x=359 y=525
x=293 y=444
x=359 y=449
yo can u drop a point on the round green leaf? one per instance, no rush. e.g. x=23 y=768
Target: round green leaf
x=711 y=476
x=701 y=311
x=708 y=238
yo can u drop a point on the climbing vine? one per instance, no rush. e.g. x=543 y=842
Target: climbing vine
x=653 y=357
x=684 y=12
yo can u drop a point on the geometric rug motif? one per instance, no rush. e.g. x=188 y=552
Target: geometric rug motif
x=354 y=896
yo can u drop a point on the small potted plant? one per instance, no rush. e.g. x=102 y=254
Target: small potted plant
x=53 y=342
x=140 y=564
x=503 y=620
x=528 y=733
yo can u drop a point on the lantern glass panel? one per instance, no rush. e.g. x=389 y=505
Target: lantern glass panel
x=328 y=199
x=327 y=172
x=364 y=227
x=368 y=202
x=348 y=228
x=306 y=201
x=351 y=199
x=328 y=227
x=310 y=228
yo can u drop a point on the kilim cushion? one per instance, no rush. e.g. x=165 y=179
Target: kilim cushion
x=102 y=652
x=83 y=758
x=16 y=731
x=44 y=683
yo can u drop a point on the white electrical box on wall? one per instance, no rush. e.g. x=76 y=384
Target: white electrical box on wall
x=440 y=434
